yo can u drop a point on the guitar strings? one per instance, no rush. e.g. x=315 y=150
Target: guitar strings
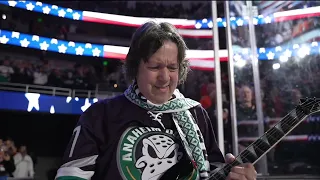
x=272 y=132
x=286 y=121
x=245 y=154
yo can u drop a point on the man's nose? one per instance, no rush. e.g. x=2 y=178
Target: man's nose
x=164 y=74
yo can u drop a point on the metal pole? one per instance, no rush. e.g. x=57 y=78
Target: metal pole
x=216 y=47
x=233 y=112
x=96 y=90
x=262 y=164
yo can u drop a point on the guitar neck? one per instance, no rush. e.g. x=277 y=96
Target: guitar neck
x=265 y=143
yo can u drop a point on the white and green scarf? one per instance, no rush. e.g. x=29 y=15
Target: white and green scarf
x=189 y=131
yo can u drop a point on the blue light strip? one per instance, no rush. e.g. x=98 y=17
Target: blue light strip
x=50 y=44
x=45 y=9
x=279 y=52
x=234 y=21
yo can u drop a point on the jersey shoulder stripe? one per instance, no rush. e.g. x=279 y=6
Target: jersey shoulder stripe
x=73 y=173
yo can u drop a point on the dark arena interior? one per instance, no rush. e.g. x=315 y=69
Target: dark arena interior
x=57 y=58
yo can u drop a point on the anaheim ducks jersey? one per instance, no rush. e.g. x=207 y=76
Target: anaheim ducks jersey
x=115 y=139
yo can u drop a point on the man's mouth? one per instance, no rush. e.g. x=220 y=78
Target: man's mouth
x=162 y=88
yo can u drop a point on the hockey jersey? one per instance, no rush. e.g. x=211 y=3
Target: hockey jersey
x=116 y=139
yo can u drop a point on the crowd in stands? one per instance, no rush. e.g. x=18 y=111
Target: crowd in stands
x=15 y=161
x=54 y=73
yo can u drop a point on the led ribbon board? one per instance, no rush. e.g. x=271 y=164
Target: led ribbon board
x=199 y=59
x=34 y=102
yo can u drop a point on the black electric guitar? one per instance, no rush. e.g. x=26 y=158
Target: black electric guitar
x=265 y=143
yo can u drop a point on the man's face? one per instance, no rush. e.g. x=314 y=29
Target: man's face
x=23 y=149
x=8 y=143
x=158 y=77
x=246 y=94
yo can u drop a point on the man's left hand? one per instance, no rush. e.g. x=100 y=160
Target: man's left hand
x=242 y=172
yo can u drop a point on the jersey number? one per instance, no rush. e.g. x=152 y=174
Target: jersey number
x=77 y=132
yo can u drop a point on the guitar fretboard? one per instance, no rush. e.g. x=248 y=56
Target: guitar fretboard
x=267 y=141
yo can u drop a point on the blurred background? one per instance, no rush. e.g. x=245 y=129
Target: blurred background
x=59 y=57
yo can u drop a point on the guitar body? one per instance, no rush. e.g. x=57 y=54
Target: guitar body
x=181 y=171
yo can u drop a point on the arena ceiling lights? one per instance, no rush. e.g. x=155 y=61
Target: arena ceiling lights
x=187 y=28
